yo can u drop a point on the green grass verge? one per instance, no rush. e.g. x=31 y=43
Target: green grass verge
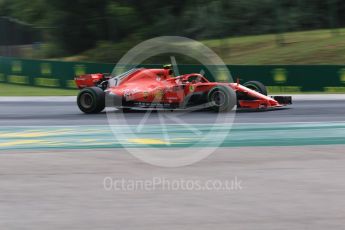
x=21 y=90
x=307 y=47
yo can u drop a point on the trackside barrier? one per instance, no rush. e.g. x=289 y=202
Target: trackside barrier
x=278 y=78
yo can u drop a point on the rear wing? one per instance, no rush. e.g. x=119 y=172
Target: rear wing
x=90 y=80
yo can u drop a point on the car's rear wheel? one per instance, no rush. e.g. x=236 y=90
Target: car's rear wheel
x=91 y=100
x=256 y=86
x=222 y=98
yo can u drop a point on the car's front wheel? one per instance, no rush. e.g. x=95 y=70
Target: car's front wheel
x=91 y=100
x=222 y=98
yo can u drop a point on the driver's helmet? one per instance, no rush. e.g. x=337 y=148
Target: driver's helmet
x=170 y=68
x=167 y=66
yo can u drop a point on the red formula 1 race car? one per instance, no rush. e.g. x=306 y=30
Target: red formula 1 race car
x=159 y=89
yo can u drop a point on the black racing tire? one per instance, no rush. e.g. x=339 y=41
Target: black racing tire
x=91 y=100
x=256 y=86
x=223 y=98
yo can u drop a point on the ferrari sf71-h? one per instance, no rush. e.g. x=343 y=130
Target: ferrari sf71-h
x=159 y=89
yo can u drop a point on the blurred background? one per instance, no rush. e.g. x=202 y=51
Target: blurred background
x=241 y=32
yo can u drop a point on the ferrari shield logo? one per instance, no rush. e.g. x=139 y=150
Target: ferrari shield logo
x=191 y=88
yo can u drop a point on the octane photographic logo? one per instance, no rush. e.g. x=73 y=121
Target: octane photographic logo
x=169 y=138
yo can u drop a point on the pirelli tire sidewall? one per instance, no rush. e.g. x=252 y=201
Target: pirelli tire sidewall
x=229 y=99
x=91 y=100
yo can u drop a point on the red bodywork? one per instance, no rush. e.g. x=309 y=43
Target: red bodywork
x=143 y=87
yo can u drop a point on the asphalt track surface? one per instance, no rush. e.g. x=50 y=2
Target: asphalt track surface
x=281 y=187
x=51 y=113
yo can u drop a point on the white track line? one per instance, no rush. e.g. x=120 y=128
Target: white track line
x=317 y=97
x=39 y=99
